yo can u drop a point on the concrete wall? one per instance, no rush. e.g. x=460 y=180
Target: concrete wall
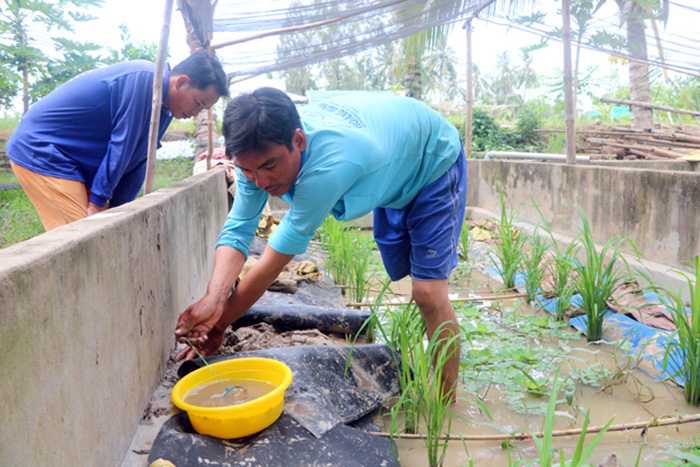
x=658 y=210
x=88 y=313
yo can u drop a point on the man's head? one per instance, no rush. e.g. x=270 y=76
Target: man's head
x=264 y=138
x=195 y=84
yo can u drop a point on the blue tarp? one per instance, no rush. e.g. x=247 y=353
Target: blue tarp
x=645 y=341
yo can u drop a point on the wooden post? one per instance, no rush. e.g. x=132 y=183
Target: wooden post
x=568 y=83
x=157 y=97
x=470 y=92
x=210 y=136
x=210 y=122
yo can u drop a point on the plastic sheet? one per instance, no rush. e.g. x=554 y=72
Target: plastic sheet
x=286 y=442
x=321 y=397
x=296 y=317
x=647 y=342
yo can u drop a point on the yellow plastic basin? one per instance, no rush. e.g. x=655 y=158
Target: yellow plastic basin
x=236 y=421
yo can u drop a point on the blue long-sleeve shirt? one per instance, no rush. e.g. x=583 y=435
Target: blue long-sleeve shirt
x=94 y=129
x=363 y=151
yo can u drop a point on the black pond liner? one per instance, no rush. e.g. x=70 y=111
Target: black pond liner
x=319 y=405
x=298 y=317
x=284 y=443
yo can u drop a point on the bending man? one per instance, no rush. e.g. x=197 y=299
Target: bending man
x=344 y=156
x=83 y=147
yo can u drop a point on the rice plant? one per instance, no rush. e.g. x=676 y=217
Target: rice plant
x=357 y=256
x=333 y=235
x=509 y=249
x=534 y=266
x=423 y=404
x=561 y=269
x=544 y=446
x=465 y=242
x=682 y=356
x=597 y=277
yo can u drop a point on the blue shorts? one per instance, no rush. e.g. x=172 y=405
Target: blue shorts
x=422 y=238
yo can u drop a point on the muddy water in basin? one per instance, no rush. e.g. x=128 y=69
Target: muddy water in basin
x=214 y=395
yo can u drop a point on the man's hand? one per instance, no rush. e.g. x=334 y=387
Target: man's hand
x=196 y=322
x=209 y=347
x=94 y=209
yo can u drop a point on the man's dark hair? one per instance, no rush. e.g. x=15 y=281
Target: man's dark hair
x=203 y=69
x=255 y=121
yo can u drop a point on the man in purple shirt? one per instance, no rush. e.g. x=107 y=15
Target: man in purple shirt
x=83 y=147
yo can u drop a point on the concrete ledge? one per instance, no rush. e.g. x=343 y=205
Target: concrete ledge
x=657 y=210
x=88 y=316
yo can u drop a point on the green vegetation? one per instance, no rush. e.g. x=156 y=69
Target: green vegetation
x=350 y=257
x=508 y=251
x=422 y=394
x=465 y=242
x=597 y=277
x=683 y=352
x=684 y=454
x=487 y=135
x=19 y=221
x=560 y=269
x=544 y=446
x=172 y=171
x=25 y=62
x=534 y=265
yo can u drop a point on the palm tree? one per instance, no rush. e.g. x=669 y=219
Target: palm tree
x=440 y=66
x=632 y=15
x=414 y=47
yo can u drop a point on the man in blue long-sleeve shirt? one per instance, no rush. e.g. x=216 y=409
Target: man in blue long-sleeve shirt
x=83 y=147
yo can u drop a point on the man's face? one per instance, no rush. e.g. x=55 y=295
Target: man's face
x=185 y=101
x=275 y=170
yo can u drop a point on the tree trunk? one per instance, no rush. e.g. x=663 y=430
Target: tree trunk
x=25 y=89
x=413 y=80
x=578 y=56
x=25 y=79
x=640 y=89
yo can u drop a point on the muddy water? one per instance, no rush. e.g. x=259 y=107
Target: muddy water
x=214 y=394
x=626 y=393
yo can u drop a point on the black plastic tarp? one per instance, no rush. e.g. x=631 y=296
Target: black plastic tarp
x=320 y=406
x=296 y=317
x=321 y=396
x=286 y=443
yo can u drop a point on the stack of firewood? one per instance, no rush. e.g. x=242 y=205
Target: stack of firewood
x=626 y=143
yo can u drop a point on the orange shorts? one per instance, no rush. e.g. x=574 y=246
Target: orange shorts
x=57 y=200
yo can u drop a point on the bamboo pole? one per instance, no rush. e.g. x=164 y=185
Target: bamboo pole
x=454 y=300
x=570 y=121
x=653 y=423
x=210 y=136
x=649 y=105
x=157 y=97
x=210 y=121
